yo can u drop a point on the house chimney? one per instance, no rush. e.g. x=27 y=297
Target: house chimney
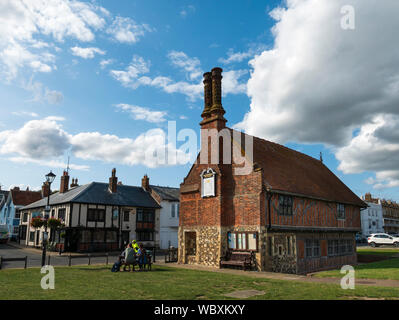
x=145 y=183
x=113 y=182
x=45 y=190
x=207 y=95
x=64 y=186
x=367 y=197
x=74 y=183
x=213 y=110
x=16 y=189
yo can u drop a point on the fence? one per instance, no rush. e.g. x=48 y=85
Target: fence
x=88 y=256
x=171 y=255
x=25 y=259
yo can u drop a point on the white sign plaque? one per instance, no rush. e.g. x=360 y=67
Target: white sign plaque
x=208 y=183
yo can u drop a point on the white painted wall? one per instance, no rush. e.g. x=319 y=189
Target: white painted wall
x=169 y=224
x=372 y=221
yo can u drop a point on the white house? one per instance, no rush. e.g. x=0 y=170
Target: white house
x=168 y=199
x=371 y=217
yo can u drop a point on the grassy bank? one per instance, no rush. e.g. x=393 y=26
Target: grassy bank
x=97 y=282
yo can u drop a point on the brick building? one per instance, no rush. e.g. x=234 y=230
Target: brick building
x=290 y=209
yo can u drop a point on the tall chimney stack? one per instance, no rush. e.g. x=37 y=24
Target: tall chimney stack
x=64 y=182
x=113 y=181
x=207 y=95
x=145 y=183
x=45 y=190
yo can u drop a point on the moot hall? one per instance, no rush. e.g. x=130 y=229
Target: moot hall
x=290 y=211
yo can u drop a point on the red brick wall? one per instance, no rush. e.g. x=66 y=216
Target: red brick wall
x=315 y=213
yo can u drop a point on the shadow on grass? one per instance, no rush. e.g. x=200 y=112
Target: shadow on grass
x=108 y=268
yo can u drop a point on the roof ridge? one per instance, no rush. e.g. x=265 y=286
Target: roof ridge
x=279 y=145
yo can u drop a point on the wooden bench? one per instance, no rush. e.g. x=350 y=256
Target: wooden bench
x=147 y=265
x=238 y=259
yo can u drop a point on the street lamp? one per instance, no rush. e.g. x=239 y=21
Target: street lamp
x=49 y=180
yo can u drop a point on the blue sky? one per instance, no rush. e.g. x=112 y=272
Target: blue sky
x=132 y=53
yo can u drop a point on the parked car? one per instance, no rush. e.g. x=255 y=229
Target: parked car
x=4 y=235
x=360 y=238
x=377 y=239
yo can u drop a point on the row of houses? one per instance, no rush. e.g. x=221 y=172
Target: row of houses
x=381 y=216
x=289 y=209
x=96 y=216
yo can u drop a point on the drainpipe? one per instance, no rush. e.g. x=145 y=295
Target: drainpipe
x=269 y=197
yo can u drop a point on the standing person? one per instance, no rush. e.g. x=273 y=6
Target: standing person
x=135 y=246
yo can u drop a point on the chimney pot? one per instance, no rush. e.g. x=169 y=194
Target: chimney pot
x=113 y=181
x=145 y=183
x=64 y=186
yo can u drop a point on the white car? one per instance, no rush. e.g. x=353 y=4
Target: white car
x=4 y=233
x=377 y=239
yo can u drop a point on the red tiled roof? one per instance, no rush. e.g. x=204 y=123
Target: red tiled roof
x=23 y=198
x=294 y=172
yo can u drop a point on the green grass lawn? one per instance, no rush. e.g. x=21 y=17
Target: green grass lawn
x=98 y=282
x=383 y=251
x=386 y=269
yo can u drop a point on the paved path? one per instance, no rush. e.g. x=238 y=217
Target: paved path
x=283 y=276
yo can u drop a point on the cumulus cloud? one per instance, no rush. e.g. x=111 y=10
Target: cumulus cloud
x=320 y=82
x=141 y=113
x=37 y=139
x=23 y=22
x=126 y=30
x=374 y=149
x=44 y=141
x=86 y=53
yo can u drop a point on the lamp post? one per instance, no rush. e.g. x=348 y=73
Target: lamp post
x=49 y=179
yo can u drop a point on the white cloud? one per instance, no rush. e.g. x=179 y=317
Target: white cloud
x=23 y=22
x=25 y=113
x=231 y=82
x=105 y=62
x=37 y=139
x=129 y=77
x=86 y=53
x=187 y=10
x=51 y=163
x=44 y=141
x=41 y=93
x=320 y=82
x=134 y=76
x=190 y=65
x=126 y=30
x=140 y=113
x=374 y=149
x=233 y=57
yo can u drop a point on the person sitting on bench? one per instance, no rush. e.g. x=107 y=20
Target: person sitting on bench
x=142 y=255
x=130 y=257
